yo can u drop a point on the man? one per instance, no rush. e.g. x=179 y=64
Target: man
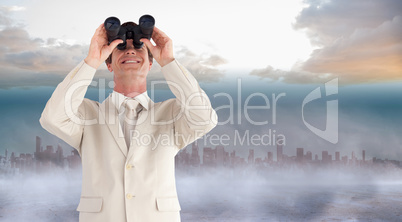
x=128 y=175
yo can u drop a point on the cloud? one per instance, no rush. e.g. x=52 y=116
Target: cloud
x=214 y=60
x=28 y=61
x=47 y=59
x=326 y=21
x=20 y=51
x=367 y=55
x=4 y=14
x=203 y=67
x=358 y=41
x=293 y=76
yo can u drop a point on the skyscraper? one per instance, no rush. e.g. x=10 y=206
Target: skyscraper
x=38 y=144
x=220 y=155
x=299 y=154
x=364 y=156
x=208 y=157
x=232 y=157
x=325 y=157
x=59 y=156
x=251 y=156
x=308 y=156
x=270 y=157
x=279 y=153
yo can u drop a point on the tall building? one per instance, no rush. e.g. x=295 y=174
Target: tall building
x=250 y=156
x=364 y=155
x=233 y=158
x=270 y=157
x=208 y=158
x=325 y=157
x=59 y=156
x=74 y=160
x=49 y=149
x=279 y=153
x=299 y=154
x=38 y=144
x=308 y=156
x=220 y=156
x=182 y=158
x=337 y=156
x=13 y=160
x=345 y=160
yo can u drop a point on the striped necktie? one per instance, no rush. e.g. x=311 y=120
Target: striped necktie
x=130 y=118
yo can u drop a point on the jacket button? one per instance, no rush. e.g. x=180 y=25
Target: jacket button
x=129 y=166
x=129 y=196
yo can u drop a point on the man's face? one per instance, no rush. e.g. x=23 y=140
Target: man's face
x=130 y=61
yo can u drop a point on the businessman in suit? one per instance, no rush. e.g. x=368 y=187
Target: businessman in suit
x=128 y=143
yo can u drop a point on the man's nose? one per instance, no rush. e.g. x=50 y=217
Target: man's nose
x=130 y=48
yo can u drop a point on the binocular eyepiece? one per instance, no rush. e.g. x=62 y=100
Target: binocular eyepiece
x=115 y=31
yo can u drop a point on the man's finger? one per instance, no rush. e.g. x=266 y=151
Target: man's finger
x=115 y=43
x=97 y=31
x=99 y=27
x=148 y=43
x=157 y=32
x=158 y=36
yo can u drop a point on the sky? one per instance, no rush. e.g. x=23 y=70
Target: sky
x=292 y=41
x=286 y=46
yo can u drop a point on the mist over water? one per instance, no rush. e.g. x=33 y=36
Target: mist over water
x=223 y=194
x=46 y=197
x=293 y=195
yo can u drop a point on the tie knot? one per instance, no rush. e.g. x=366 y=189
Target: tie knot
x=132 y=104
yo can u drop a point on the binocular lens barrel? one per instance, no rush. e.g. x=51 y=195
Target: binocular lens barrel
x=147 y=24
x=112 y=26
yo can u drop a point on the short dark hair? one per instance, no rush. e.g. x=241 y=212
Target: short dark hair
x=150 y=56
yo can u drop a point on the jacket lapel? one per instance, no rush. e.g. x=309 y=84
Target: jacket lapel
x=110 y=114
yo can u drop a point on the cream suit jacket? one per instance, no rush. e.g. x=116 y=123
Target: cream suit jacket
x=135 y=184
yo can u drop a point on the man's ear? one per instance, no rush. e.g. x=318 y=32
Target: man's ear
x=150 y=65
x=109 y=67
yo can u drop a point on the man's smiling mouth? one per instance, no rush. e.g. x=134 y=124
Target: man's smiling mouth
x=130 y=61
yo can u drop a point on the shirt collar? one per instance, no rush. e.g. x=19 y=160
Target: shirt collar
x=118 y=99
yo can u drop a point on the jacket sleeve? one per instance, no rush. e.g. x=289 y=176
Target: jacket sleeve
x=64 y=113
x=192 y=113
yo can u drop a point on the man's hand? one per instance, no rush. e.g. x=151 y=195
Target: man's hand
x=163 y=51
x=99 y=49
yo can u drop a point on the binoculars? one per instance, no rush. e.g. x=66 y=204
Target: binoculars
x=144 y=29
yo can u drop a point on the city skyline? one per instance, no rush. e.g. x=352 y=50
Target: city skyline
x=217 y=157
x=41 y=160
x=223 y=175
